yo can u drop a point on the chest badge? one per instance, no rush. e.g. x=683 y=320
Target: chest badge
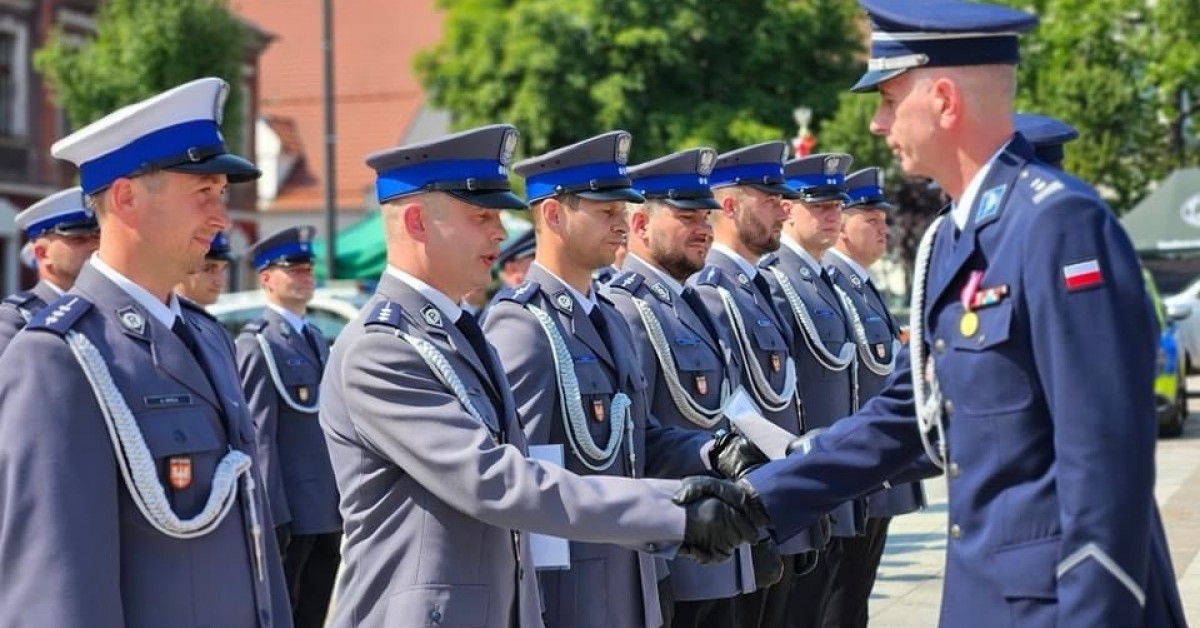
x=776 y=362
x=179 y=472
x=598 y=411
x=701 y=385
x=303 y=394
x=880 y=350
x=132 y=320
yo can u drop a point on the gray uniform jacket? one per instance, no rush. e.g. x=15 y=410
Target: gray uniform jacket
x=826 y=393
x=436 y=501
x=879 y=331
x=74 y=549
x=767 y=340
x=291 y=447
x=17 y=308
x=702 y=361
x=606 y=586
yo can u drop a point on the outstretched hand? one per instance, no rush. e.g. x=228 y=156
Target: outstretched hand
x=721 y=515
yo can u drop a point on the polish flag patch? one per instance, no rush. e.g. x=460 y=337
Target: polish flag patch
x=1082 y=275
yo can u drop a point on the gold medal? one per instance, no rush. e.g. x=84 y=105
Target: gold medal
x=968 y=324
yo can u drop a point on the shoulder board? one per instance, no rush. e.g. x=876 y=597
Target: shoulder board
x=768 y=260
x=20 y=298
x=710 y=276
x=254 y=326
x=386 y=313
x=195 y=307
x=59 y=316
x=519 y=294
x=627 y=281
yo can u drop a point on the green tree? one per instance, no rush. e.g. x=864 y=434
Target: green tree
x=143 y=47
x=675 y=74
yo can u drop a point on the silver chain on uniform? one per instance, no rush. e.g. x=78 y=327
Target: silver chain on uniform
x=764 y=394
x=927 y=394
x=273 y=369
x=860 y=336
x=812 y=340
x=445 y=373
x=684 y=402
x=571 y=406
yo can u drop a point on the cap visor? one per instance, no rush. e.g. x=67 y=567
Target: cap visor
x=236 y=169
x=224 y=257
x=871 y=80
x=692 y=203
x=489 y=199
x=824 y=196
x=614 y=194
x=776 y=188
x=869 y=204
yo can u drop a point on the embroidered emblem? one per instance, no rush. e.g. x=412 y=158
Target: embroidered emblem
x=131 y=320
x=564 y=302
x=302 y=394
x=701 y=385
x=880 y=350
x=1082 y=275
x=661 y=292
x=776 y=362
x=598 y=410
x=385 y=312
x=285 y=329
x=989 y=203
x=806 y=273
x=855 y=281
x=179 y=472
x=432 y=315
x=743 y=279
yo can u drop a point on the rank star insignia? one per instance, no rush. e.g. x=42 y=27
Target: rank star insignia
x=564 y=301
x=132 y=320
x=701 y=385
x=598 y=410
x=776 y=362
x=432 y=315
x=302 y=394
x=179 y=472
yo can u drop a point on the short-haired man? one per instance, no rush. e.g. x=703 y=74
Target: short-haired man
x=203 y=285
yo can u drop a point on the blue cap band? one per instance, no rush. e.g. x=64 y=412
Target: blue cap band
x=38 y=228
x=870 y=191
x=291 y=249
x=747 y=174
x=400 y=181
x=681 y=184
x=998 y=49
x=546 y=184
x=816 y=180
x=177 y=139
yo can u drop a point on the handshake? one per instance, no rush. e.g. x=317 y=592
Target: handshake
x=722 y=514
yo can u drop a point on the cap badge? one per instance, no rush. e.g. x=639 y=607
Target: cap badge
x=707 y=159
x=509 y=147
x=623 y=142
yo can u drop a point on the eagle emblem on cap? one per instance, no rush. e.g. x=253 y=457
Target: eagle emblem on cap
x=708 y=158
x=624 y=141
x=831 y=165
x=509 y=146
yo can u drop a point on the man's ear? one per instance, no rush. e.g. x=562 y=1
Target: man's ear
x=728 y=206
x=639 y=222
x=552 y=214
x=416 y=221
x=947 y=102
x=120 y=198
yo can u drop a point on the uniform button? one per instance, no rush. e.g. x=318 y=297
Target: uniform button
x=435 y=616
x=652 y=548
x=948 y=406
x=955 y=532
x=952 y=470
x=939 y=345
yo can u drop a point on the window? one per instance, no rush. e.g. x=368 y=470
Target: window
x=13 y=77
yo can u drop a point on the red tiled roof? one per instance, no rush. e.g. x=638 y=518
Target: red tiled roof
x=377 y=94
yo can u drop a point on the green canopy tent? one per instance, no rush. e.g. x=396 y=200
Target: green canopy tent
x=1165 y=229
x=361 y=254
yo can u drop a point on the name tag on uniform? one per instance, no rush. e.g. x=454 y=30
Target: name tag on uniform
x=586 y=358
x=824 y=313
x=764 y=322
x=685 y=341
x=296 y=362
x=160 y=401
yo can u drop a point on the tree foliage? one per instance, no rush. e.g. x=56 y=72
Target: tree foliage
x=675 y=74
x=141 y=48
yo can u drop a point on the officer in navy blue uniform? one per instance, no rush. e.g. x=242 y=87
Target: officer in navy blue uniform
x=281 y=360
x=1046 y=134
x=64 y=233
x=204 y=285
x=861 y=241
x=576 y=377
x=689 y=369
x=128 y=493
x=821 y=344
x=1025 y=283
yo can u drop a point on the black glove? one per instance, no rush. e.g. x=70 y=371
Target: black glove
x=733 y=455
x=768 y=563
x=716 y=520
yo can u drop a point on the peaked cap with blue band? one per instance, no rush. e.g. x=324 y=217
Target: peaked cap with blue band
x=63 y=212
x=1046 y=134
x=519 y=247
x=593 y=169
x=865 y=189
x=819 y=178
x=291 y=245
x=470 y=165
x=759 y=166
x=177 y=130
x=908 y=34
x=219 y=248
x=679 y=179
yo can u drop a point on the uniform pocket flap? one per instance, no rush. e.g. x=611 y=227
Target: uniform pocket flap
x=991 y=328
x=439 y=606
x=168 y=434
x=1028 y=569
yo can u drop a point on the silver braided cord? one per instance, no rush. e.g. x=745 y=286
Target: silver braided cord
x=273 y=369
x=860 y=336
x=812 y=339
x=25 y=314
x=445 y=373
x=927 y=394
x=687 y=405
x=760 y=387
x=571 y=405
x=137 y=466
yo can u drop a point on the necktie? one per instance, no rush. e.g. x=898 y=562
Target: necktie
x=764 y=288
x=601 y=325
x=310 y=334
x=690 y=297
x=827 y=279
x=470 y=330
x=184 y=333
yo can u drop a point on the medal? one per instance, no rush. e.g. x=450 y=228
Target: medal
x=701 y=385
x=179 y=472
x=968 y=324
x=776 y=362
x=598 y=410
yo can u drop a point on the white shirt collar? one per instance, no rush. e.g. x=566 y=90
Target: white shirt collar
x=802 y=252
x=961 y=210
x=54 y=288
x=586 y=301
x=675 y=286
x=854 y=266
x=449 y=308
x=750 y=269
x=297 y=322
x=165 y=313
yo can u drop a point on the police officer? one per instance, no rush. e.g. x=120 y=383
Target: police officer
x=749 y=184
x=861 y=241
x=132 y=499
x=686 y=360
x=575 y=376
x=515 y=258
x=203 y=285
x=281 y=359
x=1026 y=281
x=424 y=435
x=62 y=233
x=821 y=344
x=1047 y=136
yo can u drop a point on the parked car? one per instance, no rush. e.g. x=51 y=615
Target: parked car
x=330 y=309
x=1189 y=326
x=1170 y=381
